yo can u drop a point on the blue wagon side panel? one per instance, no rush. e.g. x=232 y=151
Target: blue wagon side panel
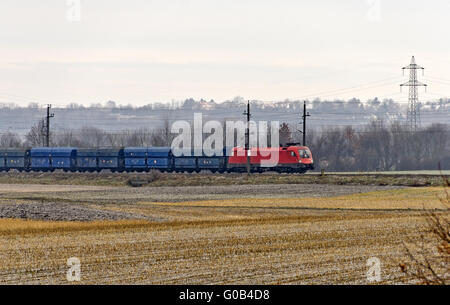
x=41 y=152
x=87 y=159
x=111 y=158
x=15 y=162
x=63 y=157
x=185 y=162
x=159 y=157
x=53 y=158
x=135 y=157
x=209 y=162
x=135 y=152
x=62 y=162
x=17 y=158
x=2 y=159
x=107 y=162
x=87 y=162
x=135 y=162
x=159 y=152
x=159 y=163
x=40 y=162
x=40 y=158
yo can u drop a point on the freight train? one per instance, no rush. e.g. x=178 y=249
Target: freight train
x=290 y=159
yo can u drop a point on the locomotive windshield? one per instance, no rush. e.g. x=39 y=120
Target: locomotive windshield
x=303 y=153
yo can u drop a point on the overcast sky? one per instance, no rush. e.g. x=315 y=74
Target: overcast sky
x=142 y=51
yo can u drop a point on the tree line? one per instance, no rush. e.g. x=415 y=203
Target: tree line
x=381 y=147
x=374 y=147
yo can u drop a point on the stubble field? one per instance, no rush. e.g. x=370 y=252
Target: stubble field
x=233 y=234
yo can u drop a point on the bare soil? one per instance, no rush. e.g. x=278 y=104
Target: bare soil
x=211 y=234
x=64 y=212
x=127 y=195
x=154 y=179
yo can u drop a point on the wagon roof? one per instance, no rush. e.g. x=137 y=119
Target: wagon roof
x=13 y=152
x=159 y=151
x=110 y=152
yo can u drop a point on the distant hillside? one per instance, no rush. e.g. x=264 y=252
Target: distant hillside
x=113 y=118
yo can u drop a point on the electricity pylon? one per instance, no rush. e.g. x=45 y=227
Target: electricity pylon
x=413 y=114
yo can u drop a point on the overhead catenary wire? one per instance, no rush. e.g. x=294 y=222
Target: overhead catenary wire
x=278 y=114
x=365 y=86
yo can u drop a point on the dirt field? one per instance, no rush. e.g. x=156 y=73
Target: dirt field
x=106 y=178
x=122 y=195
x=237 y=234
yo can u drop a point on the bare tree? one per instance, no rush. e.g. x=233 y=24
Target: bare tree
x=66 y=138
x=140 y=138
x=36 y=135
x=162 y=136
x=425 y=265
x=379 y=147
x=92 y=137
x=11 y=140
x=112 y=139
x=285 y=134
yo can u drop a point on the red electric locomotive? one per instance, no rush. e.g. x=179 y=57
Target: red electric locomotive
x=290 y=159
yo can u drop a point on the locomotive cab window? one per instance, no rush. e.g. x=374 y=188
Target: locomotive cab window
x=303 y=153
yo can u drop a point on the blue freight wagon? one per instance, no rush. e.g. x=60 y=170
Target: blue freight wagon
x=136 y=158
x=87 y=160
x=41 y=158
x=64 y=158
x=210 y=163
x=185 y=162
x=51 y=158
x=111 y=158
x=2 y=160
x=18 y=159
x=147 y=158
x=160 y=158
x=215 y=162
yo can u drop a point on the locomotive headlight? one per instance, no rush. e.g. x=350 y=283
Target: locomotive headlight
x=299 y=160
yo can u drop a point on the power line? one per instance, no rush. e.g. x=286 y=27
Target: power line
x=350 y=89
x=438 y=78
